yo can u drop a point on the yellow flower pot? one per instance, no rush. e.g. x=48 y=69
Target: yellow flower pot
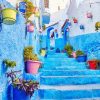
x=43 y=52
x=97 y=25
x=9 y=16
x=37 y=14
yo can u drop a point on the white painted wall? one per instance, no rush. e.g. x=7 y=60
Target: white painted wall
x=80 y=13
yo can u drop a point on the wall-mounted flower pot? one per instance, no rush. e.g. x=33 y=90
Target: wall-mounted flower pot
x=82 y=27
x=75 y=20
x=81 y=58
x=92 y=64
x=97 y=25
x=9 y=16
x=30 y=28
x=45 y=18
x=43 y=52
x=22 y=7
x=32 y=66
x=89 y=15
x=19 y=94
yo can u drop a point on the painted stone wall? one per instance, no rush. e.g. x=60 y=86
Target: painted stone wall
x=90 y=43
x=80 y=14
x=12 y=42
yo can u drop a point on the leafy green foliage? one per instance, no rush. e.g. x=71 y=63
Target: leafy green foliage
x=9 y=63
x=79 y=53
x=29 y=55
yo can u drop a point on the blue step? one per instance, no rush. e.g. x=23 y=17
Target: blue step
x=59 y=65
x=69 y=94
x=57 y=55
x=60 y=59
x=69 y=72
x=70 y=80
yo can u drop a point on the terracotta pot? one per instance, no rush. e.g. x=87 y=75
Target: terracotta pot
x=92 y=64
x=32 y=66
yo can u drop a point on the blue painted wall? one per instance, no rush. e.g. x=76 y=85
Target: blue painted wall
x=90 y=43
x=12 y=42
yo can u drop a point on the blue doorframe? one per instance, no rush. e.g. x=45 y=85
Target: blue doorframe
x=48 y=38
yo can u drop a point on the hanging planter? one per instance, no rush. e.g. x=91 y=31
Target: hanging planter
x=9 y=16
x=46 y=18
x=97 y=25
x=82 y=27
x=37 y=13
x=89 y=15
x=67 y=29
x=22 y=7
x=30 y=27
x=75 y=20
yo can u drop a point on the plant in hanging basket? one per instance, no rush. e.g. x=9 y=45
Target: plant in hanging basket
x=75 y=20
x=9 y=16
x=97 y=26
x=82 y=27
x=30 y=26
x=9 y=63
x=89 y=15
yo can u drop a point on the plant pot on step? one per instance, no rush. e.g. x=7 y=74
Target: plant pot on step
x=32 y=66
x=9 y=16
x=92 y=64
x=19 y=94
x=81 y=58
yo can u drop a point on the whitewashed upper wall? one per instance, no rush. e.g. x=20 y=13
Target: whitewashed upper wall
x=80 y=13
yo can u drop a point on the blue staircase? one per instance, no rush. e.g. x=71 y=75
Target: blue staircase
x=63 y=78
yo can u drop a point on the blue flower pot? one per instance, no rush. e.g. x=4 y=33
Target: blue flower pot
x=20 y=94
x=82 y=58
x=22 y=7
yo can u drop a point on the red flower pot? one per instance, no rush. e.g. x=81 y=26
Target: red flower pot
x=92 y=64
x=75 y=20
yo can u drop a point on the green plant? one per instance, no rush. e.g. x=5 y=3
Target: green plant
x=68 y=47
x=29 y=55
x=9 y=63
x=30 y=9
x=29 y=86
x=79 y=53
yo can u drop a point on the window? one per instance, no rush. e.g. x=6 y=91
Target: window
x=46 y=3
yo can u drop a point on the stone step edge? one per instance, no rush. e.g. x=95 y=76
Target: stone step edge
x=82 y=76
x=71 y=87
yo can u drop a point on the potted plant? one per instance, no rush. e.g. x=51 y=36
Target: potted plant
x=81 y=56
x=93 y=63
x=43 y=52
x=9 y=63
x=75 y=20
x=30 y=26
x=82 y=27
x=97 y=26
x=22 y=89
x=9 y=16
x=89 y=15
x=69 y=50
x=32 y=62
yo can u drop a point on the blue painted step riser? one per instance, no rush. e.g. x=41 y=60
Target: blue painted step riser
x=69 y=73
x=69 y=80
x=68 y=95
